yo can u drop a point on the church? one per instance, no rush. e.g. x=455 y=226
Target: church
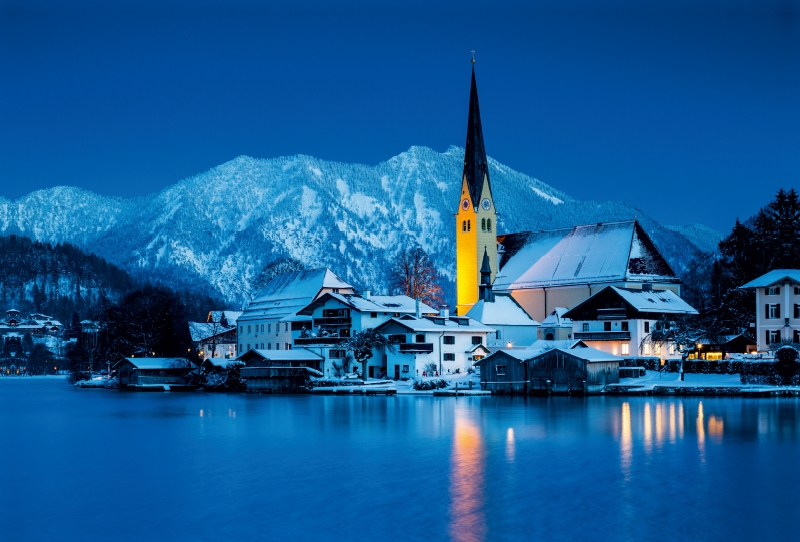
x=542 y=270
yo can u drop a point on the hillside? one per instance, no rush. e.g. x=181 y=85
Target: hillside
x=215 y=231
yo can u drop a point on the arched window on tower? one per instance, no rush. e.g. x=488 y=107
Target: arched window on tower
x=464 y=226
x=489 y=224
x=469 y=225
x=483 y=224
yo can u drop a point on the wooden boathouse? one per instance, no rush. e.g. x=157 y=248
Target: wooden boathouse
x=505 y=372
x=573 y=371
x=280 y=371
x=154 y=374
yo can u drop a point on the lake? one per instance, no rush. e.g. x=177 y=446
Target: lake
x=103 y=464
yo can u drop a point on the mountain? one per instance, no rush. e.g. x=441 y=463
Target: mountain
x=216 y=231
x=700 y=236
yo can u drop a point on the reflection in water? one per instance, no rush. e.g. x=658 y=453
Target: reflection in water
x=672 y=423
x=659 y=424
x=510 y=445
x=701 y=435
x=626 y=441
x=467 y=520
x=648 y=430
x=715 y=428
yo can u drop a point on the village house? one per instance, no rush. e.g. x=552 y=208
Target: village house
x=216 y=337
x=335 y=317
x=619 y=321
x=447 y=344
x=777 y=307
x=271 y=321
x=154 y=373
x=35 y=324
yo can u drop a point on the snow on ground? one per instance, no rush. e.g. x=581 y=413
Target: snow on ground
x=655 y=378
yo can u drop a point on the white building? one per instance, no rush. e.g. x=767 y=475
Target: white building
x=619 y=321
x=451 y=344
x=777 y=307
x=271 y=320
x=556 y=327
x=335 y=317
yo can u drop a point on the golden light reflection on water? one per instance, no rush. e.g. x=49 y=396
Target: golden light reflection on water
x=626 y=440
x=510 y=446
x=716 y=426
x=467 y=520
x=672 y=423
x=701 y=433
x=648 y=430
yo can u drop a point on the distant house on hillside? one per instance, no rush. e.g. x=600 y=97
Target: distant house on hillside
x=777 y=307
x=35 y=324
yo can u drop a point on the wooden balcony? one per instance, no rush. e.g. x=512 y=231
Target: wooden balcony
x=337 y=321
x=415 y=348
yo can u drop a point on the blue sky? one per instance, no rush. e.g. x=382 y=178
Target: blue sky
x=689 y=110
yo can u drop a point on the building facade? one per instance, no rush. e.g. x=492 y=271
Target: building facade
x=777 y=307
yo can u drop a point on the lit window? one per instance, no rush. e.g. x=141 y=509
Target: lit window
x=646 y=349
x=625 y=349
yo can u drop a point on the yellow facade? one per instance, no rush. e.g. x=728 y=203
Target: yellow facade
x=476 y=231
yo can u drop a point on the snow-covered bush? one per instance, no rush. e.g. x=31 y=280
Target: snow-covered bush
x=427 y=385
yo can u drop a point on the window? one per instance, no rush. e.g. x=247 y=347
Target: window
x=483 y=224
x=248 y=329
x=241 y=347
x=647 y=327
x=489 y=225
x=657 y=349
x=796 y=310
x=449 y=339
x=772 y=311
x=420 y=338
x=606 y=326
x=624 y=326
x=277 y=346
x=269 y=328
x=335 y=313
x=773 y=336
x=625 y=349
x=449 y=356
x=405 y=368
x=287 y=346
x=797 y=290
x=469 y=225
x=672 y=348
x=248 y=346
x=241 y=329
x=336 y=354
x=772 y=290
x=585 y=326
x=501 y=370
x=464 y=226
x=646 y=349
x=373 y=315
x=286 y=327
x=477 y=339
x=796 y=336
x=397 y=339
x=269 y=346
x=262 y=346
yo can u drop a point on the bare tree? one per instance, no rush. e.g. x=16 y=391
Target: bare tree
x=683 y=332
x=414 y=275
x=363 y=343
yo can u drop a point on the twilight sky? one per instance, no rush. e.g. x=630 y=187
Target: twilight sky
x=688 y=109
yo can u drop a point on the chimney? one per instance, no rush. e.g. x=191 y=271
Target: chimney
x=367 y=294
x=419 y=314
x=444 y=311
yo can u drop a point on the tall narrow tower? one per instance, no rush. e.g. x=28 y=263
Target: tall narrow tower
x=476 y=220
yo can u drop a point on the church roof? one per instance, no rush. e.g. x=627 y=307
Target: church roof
x=475 y=163
x=503 y=311
x=588 y=254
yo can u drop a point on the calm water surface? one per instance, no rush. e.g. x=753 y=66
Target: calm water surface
x=102 y=465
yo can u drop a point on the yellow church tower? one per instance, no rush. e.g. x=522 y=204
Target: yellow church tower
x=476 y=220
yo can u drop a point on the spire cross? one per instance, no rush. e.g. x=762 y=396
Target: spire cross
x=473 y=56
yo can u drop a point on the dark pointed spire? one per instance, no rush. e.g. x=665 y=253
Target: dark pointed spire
x=486 y=293
x=475 y=164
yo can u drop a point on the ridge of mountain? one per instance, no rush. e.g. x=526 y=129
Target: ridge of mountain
x=216 y=230
x=703 y=237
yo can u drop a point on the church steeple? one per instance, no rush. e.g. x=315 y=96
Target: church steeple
x=475 y=164
x=486 y=292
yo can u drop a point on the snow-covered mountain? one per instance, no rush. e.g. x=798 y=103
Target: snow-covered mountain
x=700 y=236
x=216 y=231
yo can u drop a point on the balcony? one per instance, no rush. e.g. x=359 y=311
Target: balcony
x=321 y=341
x=337 y=321
x=611 y=314
x=415 y=348
x=603 y=335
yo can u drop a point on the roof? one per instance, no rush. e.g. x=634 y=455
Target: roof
x=475 y=164
x=504 y=311
x=776 y=276
x=222 y=363
x=592 y=355
x=202 y=330
x=287 y=293
x=537 y=348
x=230 y=316
x=296 y=354
x=592 y=253
x=658 y=301
x=556 y=318
x=159 y=363
x=429 y=324
x=376 y=303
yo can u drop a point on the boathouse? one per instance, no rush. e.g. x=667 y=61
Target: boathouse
x=278 y=379
x=154 y=373
x=574 y=371
x=505 y=372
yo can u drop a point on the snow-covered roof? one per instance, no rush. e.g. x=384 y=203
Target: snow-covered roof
x=376 y=303
x=222 y=363
x=663 y=301
x=159 y=363
x=592 y=355
x=556 y=318
x=438 y=324
x=541 y=346
x=592 y=253
x=287 y=293
x=296 y=354
x=230 y=316
x=201 y=330
x=503 y=311
x=776 y=276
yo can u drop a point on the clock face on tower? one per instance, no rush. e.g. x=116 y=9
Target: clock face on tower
x=465 y=204
x=486 y=204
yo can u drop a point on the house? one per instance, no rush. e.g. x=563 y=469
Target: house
x=335 y=317
x=442 y=343
x=572 y=371
x=35 y=324
x=777 y=307
x=214 y=339
x=271 y=321
x=154 y=373
x=512 y=325
x=505 y=372
x=723 y=346
x=297 y=357
x=619 y=320
x=556 y=327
